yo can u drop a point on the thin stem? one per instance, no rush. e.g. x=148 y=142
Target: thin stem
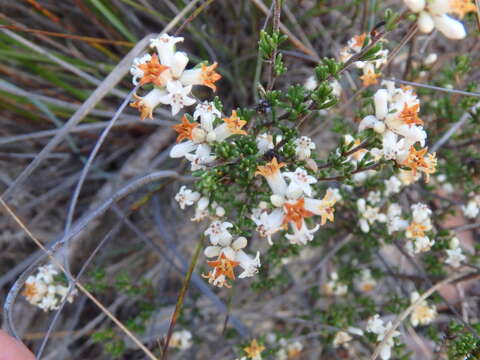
x=181 y=297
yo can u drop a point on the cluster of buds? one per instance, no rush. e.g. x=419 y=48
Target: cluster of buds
x=433 y=14
x=44 y=289
x=370 y=68
x=396 y=120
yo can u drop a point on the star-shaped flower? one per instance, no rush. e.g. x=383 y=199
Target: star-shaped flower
x=209 y=76
x=270 y=168
x=235 y=124
x=254 y=350
x=177 y=96
x=223 y=266
x=296 y=212
x=154 y=72
x=184 y=129
x=409 y=115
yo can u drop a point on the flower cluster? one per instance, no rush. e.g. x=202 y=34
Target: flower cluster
x=433 y=14
x=165 y=71
x=371 y=68
x=44 y=290
x=396 y=120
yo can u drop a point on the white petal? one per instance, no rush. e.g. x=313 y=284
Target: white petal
x=451 y=28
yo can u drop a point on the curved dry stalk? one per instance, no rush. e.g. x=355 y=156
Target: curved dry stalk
x=408 y=310
x=79 y=285
x=86 y=168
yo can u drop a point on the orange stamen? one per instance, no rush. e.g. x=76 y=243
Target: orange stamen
x=269 y=168
x=152 y=72
x=184 y=129
x=235 y=124
x=209 y=76
x=296 y=212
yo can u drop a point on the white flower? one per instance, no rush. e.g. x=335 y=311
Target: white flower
x=273 y=176
x=422 y=314
x=165 y=46
x=207 y=112
x=394 y=219
x=334 y=287
x=264 y=143
x=202 y=157
x=177 y=96
x=300 y=183
x=304 y=146
x=219 y=235
x=181 y=339
x=368 y=215
x=269 y=224
x=250 y=265
x=419 y=245
x=455 y=257
x=376 y=326
x=367 y=283
x=186 y=197
x=393 y=148
x=136 y=72
x=303 y=235
x=392 y=185
x=341 y=338
x=472 y=209
x=374 y=197
x=421 y=213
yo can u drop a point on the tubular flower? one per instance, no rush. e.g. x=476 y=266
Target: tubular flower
x=185 y=129
x=422 y=314
x=147 y=103
x=324 y=208
x=409 y=115
x=205 y=75
x=271 y=173
x=296 y=212
x=254 y=350
x=154 y=72
x=235 y=124
x=369 y=77
x=222 y=270
x=417 y=161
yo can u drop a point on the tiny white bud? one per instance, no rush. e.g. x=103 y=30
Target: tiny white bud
x=220 y=211
x=211 y=136
x=198 y=135
x=263 y=205
x=277 y=200
x=430 y=59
